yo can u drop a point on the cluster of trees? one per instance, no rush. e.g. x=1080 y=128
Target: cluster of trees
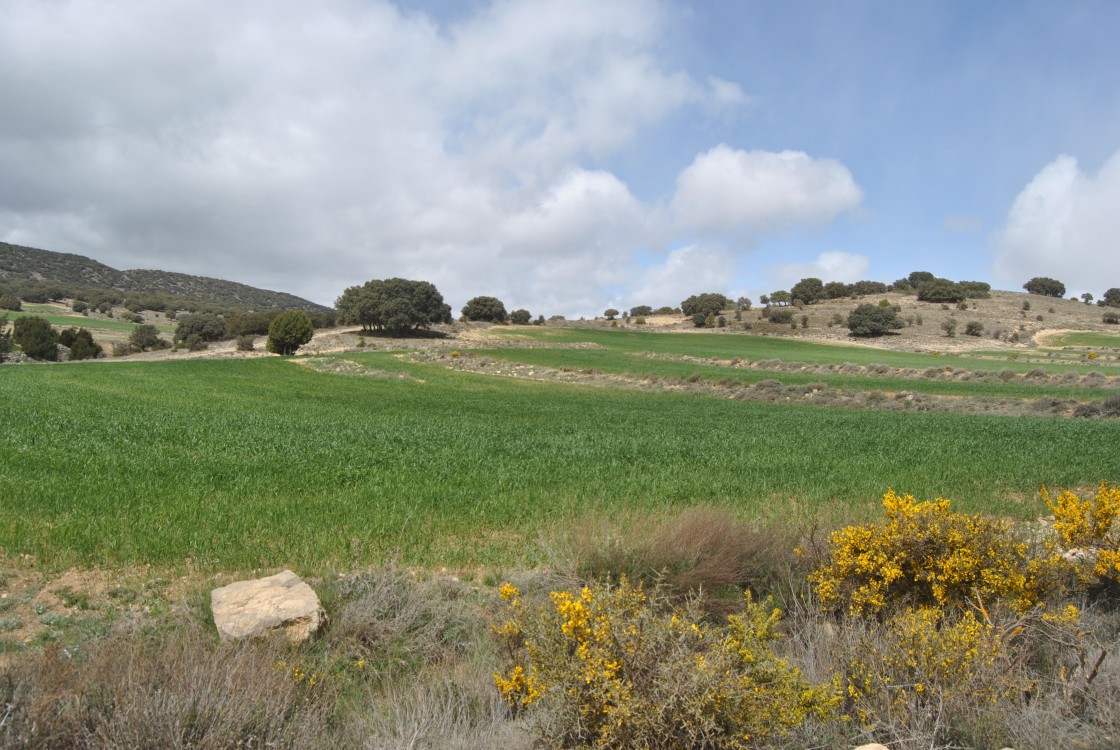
x=38 y=339
x=395 y=306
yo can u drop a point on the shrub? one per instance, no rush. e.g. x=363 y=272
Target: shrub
x=36 y=337
x=781 y=316
x=520 y=317
x=489 y=309
x=922 y=554
x=195 y=343
x=923 y=661
x=79 y=306
x=940 y=290
x=873 y=320
x=950 y=327
x=5 y=335
x=145 y=338
x=288 y=332
x=616 y=667
x=246 y=343
x=974 y=328
x=1092 y=529
x=639 y=321
x=80 y=342
x=641 y=310
x=204 y=326
x=1111 y=318
x=10 y=302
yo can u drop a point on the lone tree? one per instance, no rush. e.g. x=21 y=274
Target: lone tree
x=36 y=337
x=288 y=332
x=610 y=313
x=873 y=320
x=487 y=309
x=1045 y=286
x=396 y=306
x=1111 y=298
x=145 y=338
x=808 y=290
x=520 y=317
x=709 y=303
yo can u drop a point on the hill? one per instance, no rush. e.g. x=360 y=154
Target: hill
x=56 y=275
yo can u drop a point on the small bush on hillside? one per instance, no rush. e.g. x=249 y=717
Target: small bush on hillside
x=36 y=337
x=145 y=338
x=79 y=306
x=246 y=343
x=205 y=326
x=974 y=328
x=288 y=332
x=10 y=302
x=80 y=342
x=872 y=320
x=195 y=343
x=1111 y=318
x=783 y=315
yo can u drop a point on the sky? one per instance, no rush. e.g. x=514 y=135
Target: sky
x=566 y=156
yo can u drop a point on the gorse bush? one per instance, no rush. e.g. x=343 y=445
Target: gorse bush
x=922 y=659
x=1088 y=533
x=923 y=554
x=617 y=667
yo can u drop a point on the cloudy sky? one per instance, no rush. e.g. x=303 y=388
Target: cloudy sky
x=566 y=156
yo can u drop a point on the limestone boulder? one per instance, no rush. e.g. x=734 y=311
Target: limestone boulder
x=246 y=609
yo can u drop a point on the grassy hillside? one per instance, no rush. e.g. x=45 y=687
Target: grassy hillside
x=264 y=462
x=23 y=268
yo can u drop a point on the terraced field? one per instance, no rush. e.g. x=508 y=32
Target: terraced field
x=247 y=463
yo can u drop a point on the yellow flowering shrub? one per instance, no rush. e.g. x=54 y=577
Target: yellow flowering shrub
x=1088 y=532
x=923 y=554
x=921 y=659
x=617 y=667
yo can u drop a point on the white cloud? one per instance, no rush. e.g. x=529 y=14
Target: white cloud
x=693 y=269
x=828 y=266
x=1065 y=225
x=727 y=189
x=310 y=146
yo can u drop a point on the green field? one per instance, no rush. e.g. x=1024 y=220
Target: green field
x=80 y=321
x=1086 y=338
x=239 y=464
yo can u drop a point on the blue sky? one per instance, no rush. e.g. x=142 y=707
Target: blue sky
x=570 y=156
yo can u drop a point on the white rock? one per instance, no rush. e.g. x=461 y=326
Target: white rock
x=250 y=608
x=873 y=746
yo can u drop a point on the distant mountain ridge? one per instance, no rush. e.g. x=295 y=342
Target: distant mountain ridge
x=29 y=264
